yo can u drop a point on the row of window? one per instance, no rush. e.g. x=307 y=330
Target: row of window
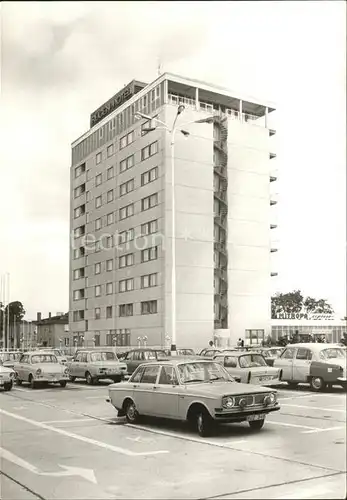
x=126 y=285
x=124 y=165
x=127 y=211
x=124 y=310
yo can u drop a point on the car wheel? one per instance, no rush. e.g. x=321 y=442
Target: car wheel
x=63 y=383
x=204 y=423
x=32 y=382
x=72 y=378
x=18 y=381
x=292 y=385
x=131 y=413
x=256 y=425
x=317 y=384
x=8 y=386
x=89 y=379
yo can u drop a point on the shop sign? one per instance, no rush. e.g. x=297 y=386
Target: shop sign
x=306 y=316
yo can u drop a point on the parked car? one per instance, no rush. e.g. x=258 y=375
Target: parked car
x=97 y=365
x=181 y=352
x=271 y=353
x=7 y=376
x=38 y=367
x=141 y=355
x=209 y=353
x=8 y=358
x=320 y=365
x=198 y=391
x=57 y=353
x=251 y=367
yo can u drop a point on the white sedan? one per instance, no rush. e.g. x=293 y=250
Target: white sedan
x=38 y=367
x=7 y=376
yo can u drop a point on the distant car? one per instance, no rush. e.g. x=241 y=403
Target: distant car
x=317 y=364
x=7 y=376
x=181 y=352
x=209 y=352
x=8 y=358
x=198 y=391
x=95 y=365
x=136 y=357
x=57 y=353
x=271 y=353
x=251 y=367
x=39 y=367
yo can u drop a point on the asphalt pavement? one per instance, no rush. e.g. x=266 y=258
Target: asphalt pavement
x=67 y=443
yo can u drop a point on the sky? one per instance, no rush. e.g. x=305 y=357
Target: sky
x=61 y=60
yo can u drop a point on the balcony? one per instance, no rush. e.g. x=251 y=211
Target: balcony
x=273 y=226
x=272 y=155
x=221 y=273
x=220 y=220
x=273 y=200
x=272 y=132
x=274 y=274
x=176 y=100
x=273 y=250
x=220 y=145
x=221 y=247
x=220 y=194
x=273 y=176
x=220 y=169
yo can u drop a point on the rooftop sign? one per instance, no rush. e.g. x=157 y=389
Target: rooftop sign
x=117 y=100
x=306 y=316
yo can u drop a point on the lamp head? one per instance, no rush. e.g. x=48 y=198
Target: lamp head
x=139 y=115
x=180 y=109
x=185 y=133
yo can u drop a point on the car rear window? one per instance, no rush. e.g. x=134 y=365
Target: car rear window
x=103 y=356
x=44 y=358
x=332 y=353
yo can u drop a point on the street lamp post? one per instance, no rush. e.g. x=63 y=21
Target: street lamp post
x=172 y=132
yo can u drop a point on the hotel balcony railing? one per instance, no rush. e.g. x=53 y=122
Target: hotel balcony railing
x=273 y=176
x=220 y=247
x=221 y=273
x=221 y=194
x=273 y=226
x=208 y=108
x=274 y=274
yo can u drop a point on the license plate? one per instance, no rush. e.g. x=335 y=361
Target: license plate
x=265 y=378
x=259 y=416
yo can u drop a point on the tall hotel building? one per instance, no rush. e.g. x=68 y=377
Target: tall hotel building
x=120 y=257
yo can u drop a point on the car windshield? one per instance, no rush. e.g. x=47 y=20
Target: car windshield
x=44 y=358
x=161 y=355
x=332 y=353
x=202 y=372
x=185 y=352
x=4 y=356
x=252 y=361
x=103 y=356
x=58 y=353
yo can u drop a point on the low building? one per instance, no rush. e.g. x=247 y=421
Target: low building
x=322 y=325
x=51 y=331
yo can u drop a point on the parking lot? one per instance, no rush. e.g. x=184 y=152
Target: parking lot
x=69 y=444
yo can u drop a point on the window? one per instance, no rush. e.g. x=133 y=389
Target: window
x=79 y=190
x=97 y=313
x=109 y=312
x=78 y=294
x=109 y=265
x=78 y=273
x=304 y=354
x=98 y=158
x=149 y=307
x=149 y=254
x=126 y=187
x=126 y=260
x=110 y=173
x=110 y=150
x=79 y=252
x=126 y=285
x=81 y=210
x=149 y=228
x=78 y=315
x=127 y=163
x=109 y=288
x=66 y=341
x=125 y=236
x=109 y=242
x=126 y=212
x=110 y=218
x=126 y=140
x=98 y=246
x=288 y=354
x=79 y=231
x=149 y=176
x=148 y=124
x=126 y=310
x=150 y=375
x=98 y=224
x=97 y=339
x=138 y=374
x=149 y=202
x=98 y=202
x=80 y=170
x=168 y=376
x=97 y=290
x=98 y=179
x=149 y=280
x=255 y=336
x=97 y=268
x=110 y=196
x=150 y=150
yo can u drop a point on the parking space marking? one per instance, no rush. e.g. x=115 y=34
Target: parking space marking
x=322 y=430
x=66 y=421
x=309 y=493
x=78 y=437
x=285 y=424
x=313 y=407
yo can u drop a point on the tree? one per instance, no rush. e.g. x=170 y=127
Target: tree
x=16 y=313
x=294 y=302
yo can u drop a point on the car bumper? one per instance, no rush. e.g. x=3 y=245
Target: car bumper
x=52 y=379
x=118 y=375
x=6 y=381
x=240 y=416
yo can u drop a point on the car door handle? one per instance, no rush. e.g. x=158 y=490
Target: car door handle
x=135 y=386
x=154 y=387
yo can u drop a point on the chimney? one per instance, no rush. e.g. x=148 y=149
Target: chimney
x=38 y=318
x=49 y=315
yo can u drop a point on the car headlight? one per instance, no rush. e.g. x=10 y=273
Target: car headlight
x=38 y=371
x=228 y=402
x=66 y=371
x=12 y=374
x=270 y=399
